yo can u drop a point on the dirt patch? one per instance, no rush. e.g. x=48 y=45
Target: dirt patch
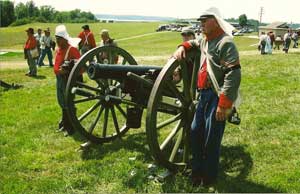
x=13 y=64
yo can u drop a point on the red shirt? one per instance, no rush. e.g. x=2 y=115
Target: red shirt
x=30 y=43
x=60 y=57
x=202 y=76
x=87 y=38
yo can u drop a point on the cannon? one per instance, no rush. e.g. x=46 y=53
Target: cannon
x=115 y=92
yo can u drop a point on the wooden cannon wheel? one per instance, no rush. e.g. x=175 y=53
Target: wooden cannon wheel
x=169 y=115
x=91 y=112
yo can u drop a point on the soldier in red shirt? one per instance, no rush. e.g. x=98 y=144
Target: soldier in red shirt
x=30 y=45
x=87 y=40
x=65 y=52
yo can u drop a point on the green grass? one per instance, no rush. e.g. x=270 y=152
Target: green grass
x=260 y=155
x=15 y=37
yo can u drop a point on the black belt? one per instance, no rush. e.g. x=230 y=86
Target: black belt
x=228 y=69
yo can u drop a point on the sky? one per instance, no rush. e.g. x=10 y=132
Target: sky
x=273 y=10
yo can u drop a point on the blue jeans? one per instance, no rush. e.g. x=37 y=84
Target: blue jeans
x=206 y=135
x=45 y=51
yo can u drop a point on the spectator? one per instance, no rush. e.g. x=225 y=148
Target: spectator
x=38 y=37
x=187 y=34
x=31 y=53
x=278 y=42
x=87 y=39
x=287 y=41
x=268 y=46
x=295 y=38
x=107 y=41
x=45 y=43
x=262 y=43
x=272 y=37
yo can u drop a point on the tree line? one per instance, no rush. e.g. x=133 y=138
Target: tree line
x=20 y=14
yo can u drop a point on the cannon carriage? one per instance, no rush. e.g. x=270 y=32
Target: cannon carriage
x=114 y=93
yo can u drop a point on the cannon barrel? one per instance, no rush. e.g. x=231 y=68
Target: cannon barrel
x=107 y=71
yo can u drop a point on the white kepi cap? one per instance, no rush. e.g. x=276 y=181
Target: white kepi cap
x=227 y=28
x=61 y=31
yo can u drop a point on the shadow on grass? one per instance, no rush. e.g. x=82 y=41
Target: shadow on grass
x=133 y=142
x=39 y=77
x=235 y=166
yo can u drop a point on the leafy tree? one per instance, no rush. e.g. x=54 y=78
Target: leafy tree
x=63 y=16
x=47 y=13
x=243 y=20
x=33 y=11
x=75 y=14
x=21 y=11
x=7 y=13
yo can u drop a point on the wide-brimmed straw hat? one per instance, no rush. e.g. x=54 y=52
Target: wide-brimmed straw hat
x=62 y=32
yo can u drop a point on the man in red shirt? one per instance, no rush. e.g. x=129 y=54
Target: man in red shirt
x=30 y=45
x=65 y=52
x=87 y=40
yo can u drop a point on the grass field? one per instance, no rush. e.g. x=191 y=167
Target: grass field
x=260 y=155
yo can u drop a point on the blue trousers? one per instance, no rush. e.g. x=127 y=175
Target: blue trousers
x=61 y=83
x=206 y=135
x=45 y=51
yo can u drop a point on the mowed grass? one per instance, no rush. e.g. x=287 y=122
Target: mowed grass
x=15 y=37
x=260 y=155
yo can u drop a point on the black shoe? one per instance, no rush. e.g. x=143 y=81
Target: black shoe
x=208 y=181
x=196 y=179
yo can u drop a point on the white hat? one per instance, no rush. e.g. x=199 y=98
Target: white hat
x=61 y=31
x=227 y=28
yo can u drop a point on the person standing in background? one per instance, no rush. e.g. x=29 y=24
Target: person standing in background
x=30 y=44
x=87 y=40
x=45 y=43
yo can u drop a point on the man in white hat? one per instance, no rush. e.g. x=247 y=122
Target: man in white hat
x=66 y=52
x=218 y=81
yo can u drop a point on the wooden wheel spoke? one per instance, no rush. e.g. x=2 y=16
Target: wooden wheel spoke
x=105 y=122
x=100 y=83
x=82 y=92
x=171 y=135
x=170 y=106
x=89 y=111
x=110 y=57
x=80 y=84
x=178 y=94
x=87 y=99
x=121 y=111
x=116 y=124
x=93 y=125
x=169 y=121
x=176 y=147
x=124 y=61
x=186 y=80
